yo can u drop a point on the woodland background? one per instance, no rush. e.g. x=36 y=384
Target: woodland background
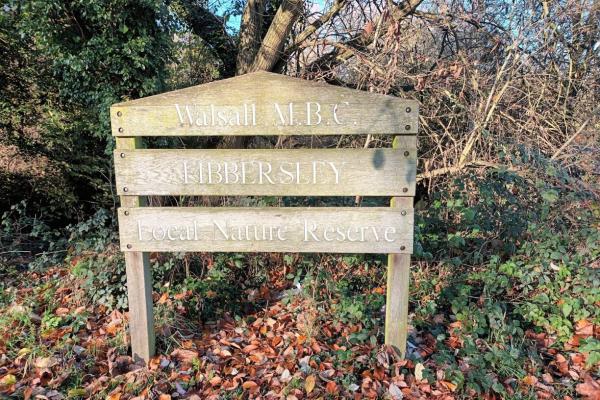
x=505 y=289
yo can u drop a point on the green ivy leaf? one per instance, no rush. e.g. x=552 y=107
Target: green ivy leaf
x=566 y=309
x=550 y=195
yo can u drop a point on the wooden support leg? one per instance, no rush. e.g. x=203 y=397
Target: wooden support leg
x=141 y=316
x=139 y=282
x=396 y=306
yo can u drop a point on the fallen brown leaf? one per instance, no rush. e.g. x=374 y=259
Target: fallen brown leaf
x=331 y=387
x=184 y=356
x=309 y=384
x=589 y=389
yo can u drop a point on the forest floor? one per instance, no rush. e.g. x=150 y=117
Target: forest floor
x=55 y=345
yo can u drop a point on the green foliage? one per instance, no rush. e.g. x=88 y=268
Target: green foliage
x=98 y=262
x=508 y=253
x=24 y=238
x=64 y=64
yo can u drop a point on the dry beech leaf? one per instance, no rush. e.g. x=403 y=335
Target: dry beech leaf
x=8 y=380
x=249 y=348
x=61 y=311
x=184 y=356
x=395 y=392
x=309 y=384
x=46 y=362
x=530 y=380
x=419 y=371
x=331 y=387
x=589 y=389
x=250 y=386
x=449 y=385
x=163 y=298
x=154 y=363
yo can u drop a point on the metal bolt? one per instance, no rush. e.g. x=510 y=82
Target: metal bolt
x=121 y=130
x=122 y=155
x=125 y=189
x=401 y=247
x=407 y=127
x=408 y=109
x=126 y=213
x=406 y=154
x=130 y=246
x=404 y=190
x=120 y=114
x=403 y=212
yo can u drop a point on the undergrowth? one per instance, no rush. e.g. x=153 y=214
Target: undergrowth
x=506 y=275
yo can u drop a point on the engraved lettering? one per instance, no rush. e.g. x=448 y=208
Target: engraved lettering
x=314 y=170
x=170 y=232
x=231 y=171
x=185 y=172
x=221 y=230
x=389 y=230
x=282 y=118
x=217 y=172
x=326 y=232
x=140 y=231
x=336 y=171
x=287 y=173
x=155 y=234
x=309 y=111
x=265 y=173
x=334 y=112
x=348 y=235
x=310 y=231
x=181 y=116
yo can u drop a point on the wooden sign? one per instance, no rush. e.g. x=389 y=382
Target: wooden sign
x=265 y=104
x=307 y=172
x=274 y=229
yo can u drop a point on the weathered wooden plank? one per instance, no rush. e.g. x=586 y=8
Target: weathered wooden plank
x=398 y=280
x=302 y=172
x=139 y=282
x=264 y=103
x=294 y=229
x=398 y=283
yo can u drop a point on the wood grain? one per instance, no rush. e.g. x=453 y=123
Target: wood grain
x=139 y=282
x=292 y=229
x=341 y=110
x=302 y=172
x=398 y=286
x=398 y=283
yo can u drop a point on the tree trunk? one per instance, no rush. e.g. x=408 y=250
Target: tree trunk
x=250 y=35
x=256 y=56
x=272 y=45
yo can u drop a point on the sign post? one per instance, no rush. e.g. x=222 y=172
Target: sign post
x=265 y=104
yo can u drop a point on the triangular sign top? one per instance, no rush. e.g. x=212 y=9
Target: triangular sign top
x=264 y=103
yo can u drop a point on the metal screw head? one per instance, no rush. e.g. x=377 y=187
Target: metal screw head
x=126 y=189
x=408 y=109
x=122 y=155
x=129 y=246
x=404 y=190
x=121 y=130
x=407 y=127
x=120 y=114
x=126 y=213
x=402 y=247
x=403 y=212
x=406 y=154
